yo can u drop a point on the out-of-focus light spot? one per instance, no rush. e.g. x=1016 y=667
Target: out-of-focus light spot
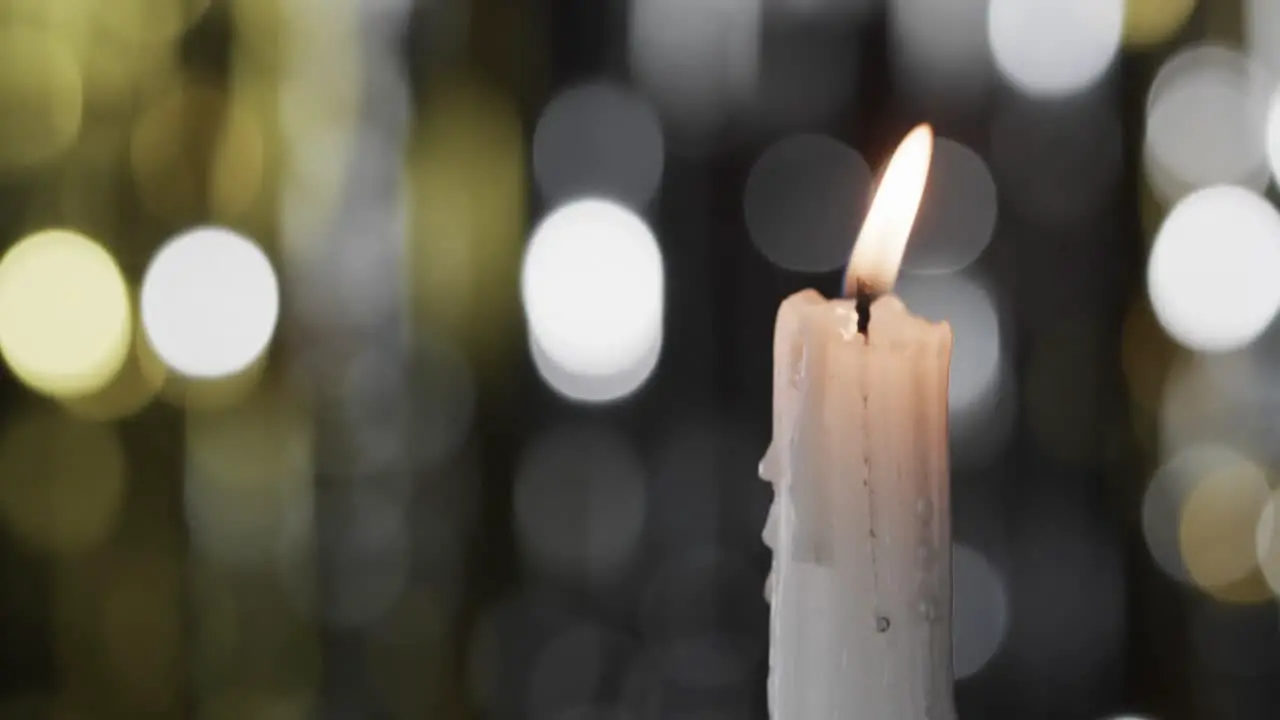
x=1054 y=47
x=1231 y=399
x=1057 y=162
x=1261 y=25
x=940 y=49
x=579 y=501
x=1152 y=22
x=63 y=480
x=967 y=305
x=372 y=561
x=804 y=201
x=248 y=472
x=1273 y=136
x=957 y=214
x=598 y=139
x=233 y=705
x=210 y=302
x=144 y=591
x=1211 y=274
x=1267 y=541
x=980 y=611
x=65 y=316
x=1166 y=497
x=209 y=394
x=41 y=97
x=568 y=671
x=468 y=208
x=699 y=59
x=196 y=153
x=137 y=383
x=1217 y=532
x=593 y=290
x=1206 y=118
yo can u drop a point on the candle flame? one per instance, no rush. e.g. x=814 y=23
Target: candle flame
x=877 y=253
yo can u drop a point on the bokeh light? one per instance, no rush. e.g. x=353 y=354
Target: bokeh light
x=969 y=307
x=593 y=290
x=804 y=201
x=940 y=49
x=1217 y=532
x=598 y=139
x=210 y=301
x=1206 y=113
x=699 y=60
x=66 y=322
x=980 y=610
x=1152 y=22
x=1054 y=48
x=41 y=97
x=957 y=215
x=579 y=503
x=1211 y=274
x=1166 y=499
x=64 y=480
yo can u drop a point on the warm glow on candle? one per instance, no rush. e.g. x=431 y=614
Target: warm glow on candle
x=877 y=253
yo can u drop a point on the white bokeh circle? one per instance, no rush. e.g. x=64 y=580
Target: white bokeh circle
x=210 y=302
x=1053 y=48
x=1213 y=268
x=593 y=289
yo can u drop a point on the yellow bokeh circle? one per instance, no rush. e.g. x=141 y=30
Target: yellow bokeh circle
x=41 y=97
x=62 y=481
x=1151 y=22
x=65 y=318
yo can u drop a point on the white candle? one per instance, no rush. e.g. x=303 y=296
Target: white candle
x=860 y=590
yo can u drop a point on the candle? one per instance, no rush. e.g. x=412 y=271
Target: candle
x=860 y=590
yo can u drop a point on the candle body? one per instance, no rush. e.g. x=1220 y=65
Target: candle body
x=860 y=590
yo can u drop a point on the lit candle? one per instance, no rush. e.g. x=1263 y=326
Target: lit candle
x=860 y=591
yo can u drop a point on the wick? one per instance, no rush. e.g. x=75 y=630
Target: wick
x=862 y=303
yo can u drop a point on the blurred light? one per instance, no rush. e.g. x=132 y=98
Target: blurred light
x=371 y=560
x=248 y=478
x=1166 y=497
x=1054 y=47
x=805 y=199
x=967 y=305
x=1217 y=532
x=405 y=412
x=568 y=671
x=210 y=302
x=1267 y=543
x=1261 y=25
x=593 y=290
x=579 y=501
x=41 y=97
x=137 y=383
x=1206 y=114
x=1057 y=162
x=1212 y=271
x=1152 y=22
x=197 y=152
x=467 y=171
x=64 y=480
x=65 y=316
x=1227 y=398
x=142 y=625
x=598 y=139
x=698 y=58
x=957 y=215
x=980 y=611
x=940 y=49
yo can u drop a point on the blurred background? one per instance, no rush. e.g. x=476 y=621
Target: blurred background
x=411 y=359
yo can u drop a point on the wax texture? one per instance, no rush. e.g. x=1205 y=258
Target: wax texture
x=860 y=589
